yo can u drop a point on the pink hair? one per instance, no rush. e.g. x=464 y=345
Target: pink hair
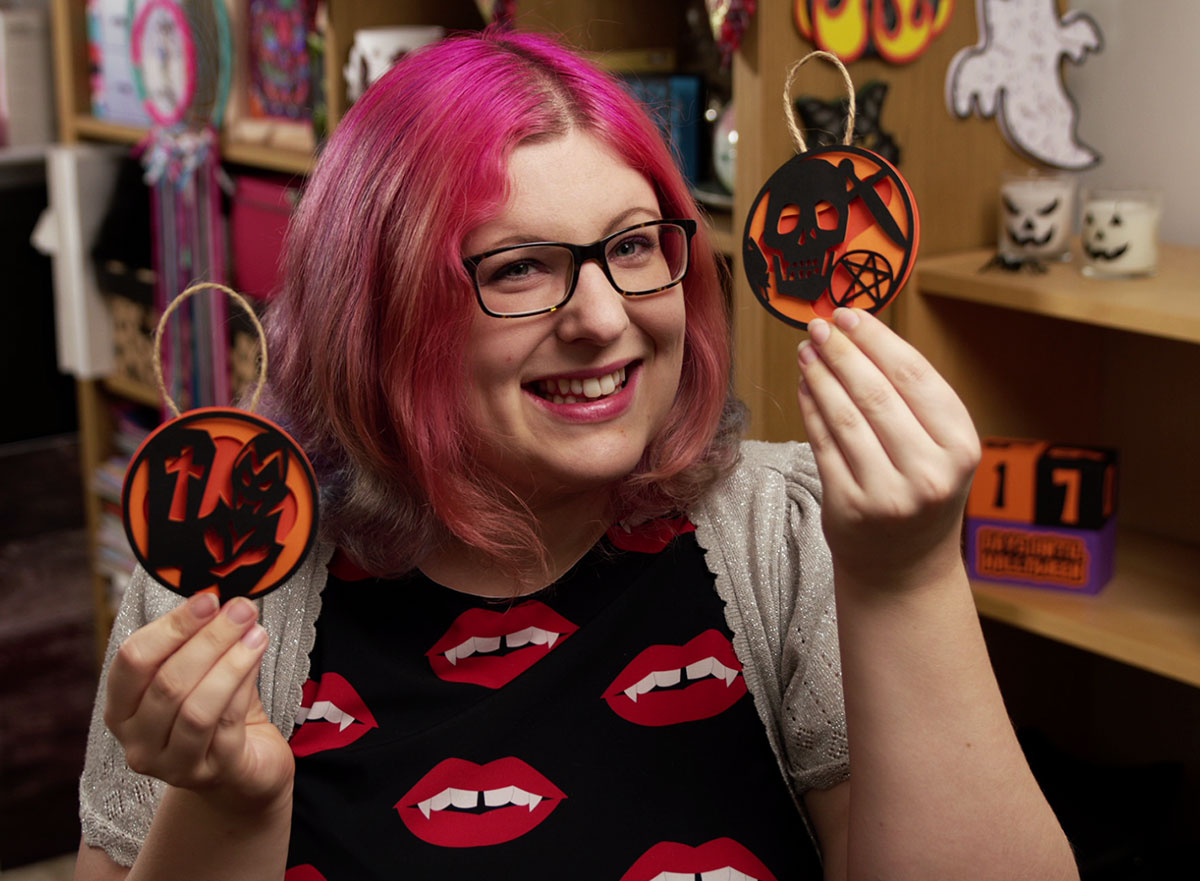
x=368 y=338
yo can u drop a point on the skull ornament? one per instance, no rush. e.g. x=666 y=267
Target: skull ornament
x=805 y=223
x=834 y=226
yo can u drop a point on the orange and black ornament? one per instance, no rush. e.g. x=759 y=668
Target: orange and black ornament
x=833 y=226
x=219 y=499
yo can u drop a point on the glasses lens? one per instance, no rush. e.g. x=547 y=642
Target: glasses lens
x=648 y=258
x=524 y=279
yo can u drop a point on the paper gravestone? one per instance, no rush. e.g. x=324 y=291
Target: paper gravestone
x=834 y=226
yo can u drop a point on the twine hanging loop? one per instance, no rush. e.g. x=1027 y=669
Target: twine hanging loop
x=162 y=323
x=789 y=112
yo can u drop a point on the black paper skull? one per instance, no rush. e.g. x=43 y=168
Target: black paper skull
x=806 y=220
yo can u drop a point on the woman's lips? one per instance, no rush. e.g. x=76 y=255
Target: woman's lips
x=600 y=409
x=492 y=649
x=462 y=804
x=670 y=684
x=721 y=859
x=332 y=715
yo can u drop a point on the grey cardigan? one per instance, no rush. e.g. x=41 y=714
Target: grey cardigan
x=761 y=533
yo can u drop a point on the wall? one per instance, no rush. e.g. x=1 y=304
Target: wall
x=1137 y=99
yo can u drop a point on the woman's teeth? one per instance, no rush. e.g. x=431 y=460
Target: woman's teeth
x=575 y=391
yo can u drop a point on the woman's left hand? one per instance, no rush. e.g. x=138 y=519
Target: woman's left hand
x=895 y=447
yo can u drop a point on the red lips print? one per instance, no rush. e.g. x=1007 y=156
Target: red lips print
x=669 y=684
x=332 y=715
x=651 y=537
x=492 y=649
x=462 y=804
x=721 y=859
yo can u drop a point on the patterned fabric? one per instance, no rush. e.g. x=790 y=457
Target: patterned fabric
x=457 y=736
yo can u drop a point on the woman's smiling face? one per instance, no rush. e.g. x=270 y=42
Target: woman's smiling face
x=567 y=401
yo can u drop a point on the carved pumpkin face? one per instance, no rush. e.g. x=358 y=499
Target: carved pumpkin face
x=1120 y=235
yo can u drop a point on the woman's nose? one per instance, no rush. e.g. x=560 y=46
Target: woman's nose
x=596 y=311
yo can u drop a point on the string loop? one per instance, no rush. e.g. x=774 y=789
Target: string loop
x=162 y=323
x=789 y=112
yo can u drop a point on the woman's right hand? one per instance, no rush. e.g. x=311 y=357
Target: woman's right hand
x=183 y=701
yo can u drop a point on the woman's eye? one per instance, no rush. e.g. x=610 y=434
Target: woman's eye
x=631 y=247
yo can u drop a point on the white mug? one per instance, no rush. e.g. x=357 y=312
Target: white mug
x=377 y=49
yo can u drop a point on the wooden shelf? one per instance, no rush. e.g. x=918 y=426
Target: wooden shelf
x=1166 y=305
x=1148 y=616
x=133 y=390
x=259 y=155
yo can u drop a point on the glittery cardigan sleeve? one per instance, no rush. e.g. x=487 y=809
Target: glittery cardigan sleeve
x=761 y=531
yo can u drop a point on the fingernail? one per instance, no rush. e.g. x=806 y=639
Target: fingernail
x=846 y=319
x=805 y=353
x=202 y=605
x=819 y=330
x=804 y=389
x=254 y=637
x=240 y=610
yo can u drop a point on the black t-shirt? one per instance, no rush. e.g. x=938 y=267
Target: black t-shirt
x=598 y=729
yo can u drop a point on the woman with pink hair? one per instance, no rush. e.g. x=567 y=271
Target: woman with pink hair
x=562 y=622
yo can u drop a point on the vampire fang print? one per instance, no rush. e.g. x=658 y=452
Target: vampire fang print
x=331 y=716
x=491 y=649
x=462 y=804
x=670 y=684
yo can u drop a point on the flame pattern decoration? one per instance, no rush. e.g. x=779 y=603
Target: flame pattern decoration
x=898 y=31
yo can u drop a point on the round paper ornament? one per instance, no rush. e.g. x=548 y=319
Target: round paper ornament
x=833 y=226
x=219 y=499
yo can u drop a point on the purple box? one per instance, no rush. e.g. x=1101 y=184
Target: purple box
x=1075 y=560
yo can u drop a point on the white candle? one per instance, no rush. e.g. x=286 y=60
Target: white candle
x=1036 y=217
x=1120 y=233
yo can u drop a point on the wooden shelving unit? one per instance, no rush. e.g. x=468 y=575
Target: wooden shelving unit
x=1165 y=305
x=1147 y=616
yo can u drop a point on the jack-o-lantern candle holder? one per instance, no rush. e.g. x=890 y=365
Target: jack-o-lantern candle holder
x=1036 y=217
x=1120 y=233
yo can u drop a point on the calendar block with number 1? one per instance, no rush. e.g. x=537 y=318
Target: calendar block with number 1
x=1043 y=514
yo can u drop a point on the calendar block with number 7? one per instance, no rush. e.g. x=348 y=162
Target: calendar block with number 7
x=1043 y=514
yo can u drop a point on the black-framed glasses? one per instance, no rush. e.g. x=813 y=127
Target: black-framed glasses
x=536 y=277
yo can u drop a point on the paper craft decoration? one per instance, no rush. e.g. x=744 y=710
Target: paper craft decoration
x=898 y=31
x=1120 y=233
x=1043 y=514
x=1037 y=214
x=1014 y=74
x=823 y=120
x=218 y=499
x=833 y=226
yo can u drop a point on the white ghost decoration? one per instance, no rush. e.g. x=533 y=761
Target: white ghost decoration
x=1013 y=73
